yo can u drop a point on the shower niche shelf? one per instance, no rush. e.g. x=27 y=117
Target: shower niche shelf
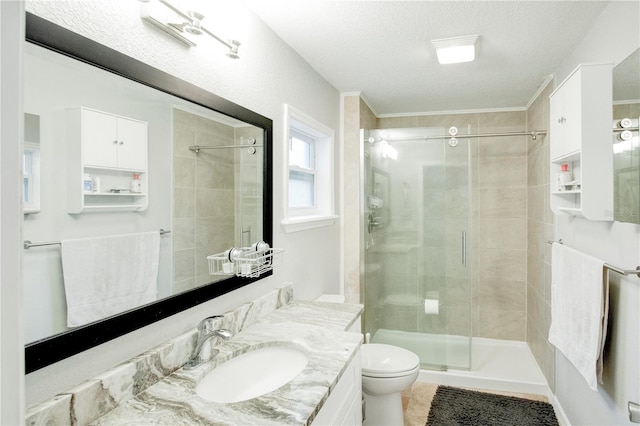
x=580 y=124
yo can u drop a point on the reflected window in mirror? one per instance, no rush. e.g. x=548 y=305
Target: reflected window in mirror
x=626 y=151
x=31 y=164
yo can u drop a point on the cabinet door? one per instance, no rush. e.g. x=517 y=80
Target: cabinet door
x=556 y=124
x=99 y=139
x=573 y=113
x=132 y=144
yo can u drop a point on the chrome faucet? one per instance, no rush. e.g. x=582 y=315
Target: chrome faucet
x=204 y=335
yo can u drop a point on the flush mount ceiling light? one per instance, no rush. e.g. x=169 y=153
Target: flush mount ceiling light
x=184 y=26
x=454 y=50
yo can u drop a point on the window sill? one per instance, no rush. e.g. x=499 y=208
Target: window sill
x=303 y=223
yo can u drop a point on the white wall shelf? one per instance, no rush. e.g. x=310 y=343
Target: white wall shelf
x=112 y=149
x=580 y=125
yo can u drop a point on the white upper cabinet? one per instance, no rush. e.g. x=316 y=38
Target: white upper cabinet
x=580 y=131
x=105 y=153
x=112 y=141
x=566 y=131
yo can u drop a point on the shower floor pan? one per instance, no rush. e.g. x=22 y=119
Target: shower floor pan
x=502 y=365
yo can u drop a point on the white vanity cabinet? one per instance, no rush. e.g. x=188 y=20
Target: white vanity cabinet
x=580 y=136
x=344 y=405
x=109 y=149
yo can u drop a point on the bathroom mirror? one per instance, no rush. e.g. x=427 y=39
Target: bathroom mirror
x=205 y=202
x=626 y=153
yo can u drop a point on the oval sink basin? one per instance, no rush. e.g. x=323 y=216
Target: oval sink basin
x=252 y=374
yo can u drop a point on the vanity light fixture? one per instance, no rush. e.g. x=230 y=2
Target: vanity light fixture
x=184 y=26
x=454 y=50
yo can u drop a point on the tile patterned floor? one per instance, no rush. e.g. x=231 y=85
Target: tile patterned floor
x=417 y=400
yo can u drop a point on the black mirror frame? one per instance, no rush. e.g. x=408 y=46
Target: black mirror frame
x=52 y=349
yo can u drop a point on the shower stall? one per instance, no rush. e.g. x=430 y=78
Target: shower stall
x=417 y=242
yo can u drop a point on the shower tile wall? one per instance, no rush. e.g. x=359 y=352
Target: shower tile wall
x=499 y=238
x=540 y=229
x=357 y=115
x=249 y=173
x=203 y=199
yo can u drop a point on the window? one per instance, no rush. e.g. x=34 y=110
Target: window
x=309 y=184
x=31 y=178
x=302 y=170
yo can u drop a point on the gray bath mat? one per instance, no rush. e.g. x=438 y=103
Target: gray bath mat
x=461 y=407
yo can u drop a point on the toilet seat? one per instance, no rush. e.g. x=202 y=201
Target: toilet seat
x=380 y=360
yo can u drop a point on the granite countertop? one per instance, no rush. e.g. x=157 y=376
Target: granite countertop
x=317 y=328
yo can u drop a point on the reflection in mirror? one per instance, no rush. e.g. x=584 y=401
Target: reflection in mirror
x=379 y=200
x=125 y=227
x=31 y=164
x=626 y=152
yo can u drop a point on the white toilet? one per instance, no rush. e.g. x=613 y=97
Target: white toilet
x=386 y=371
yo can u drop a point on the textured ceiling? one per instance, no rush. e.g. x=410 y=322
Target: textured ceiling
x=383 y=48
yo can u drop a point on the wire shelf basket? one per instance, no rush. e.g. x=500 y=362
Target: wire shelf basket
x=245 y=261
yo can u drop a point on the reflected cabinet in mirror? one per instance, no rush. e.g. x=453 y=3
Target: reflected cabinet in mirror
x=128 y=210
x=626 y=153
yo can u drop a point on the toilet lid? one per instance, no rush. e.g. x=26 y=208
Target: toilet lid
x=378 y=358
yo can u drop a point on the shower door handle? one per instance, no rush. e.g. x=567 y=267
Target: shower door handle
x=464 y=247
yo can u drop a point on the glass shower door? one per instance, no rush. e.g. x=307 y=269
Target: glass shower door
x=417 y=291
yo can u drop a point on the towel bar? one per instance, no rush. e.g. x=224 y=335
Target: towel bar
x=26 y=244
x=620 y=271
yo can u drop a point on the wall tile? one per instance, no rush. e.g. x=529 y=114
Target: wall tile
x=502 y=119
x=502 y=202
x=502 y=324
x=535 y=203
x=184 y=172
x=540 y=229
x=536 y=168
x=500 y=233
x=184 y=285
x=503 y=263
x=183 y=233
x=184 y=264
x=215 y=203
x=535 y=239
x=496 y=293
x=514 y=146
x=508 y=172
x=184 y=203
x=184 y=133
x=535 y=275
x=214 y=175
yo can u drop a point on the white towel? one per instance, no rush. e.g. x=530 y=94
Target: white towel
x=105 y=276
x=579 y=310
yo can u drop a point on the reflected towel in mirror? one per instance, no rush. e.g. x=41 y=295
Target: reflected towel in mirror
x=104 y=276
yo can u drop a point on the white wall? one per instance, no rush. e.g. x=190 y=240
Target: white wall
x=613 y=37
x=11 y=352
x=267 y=75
